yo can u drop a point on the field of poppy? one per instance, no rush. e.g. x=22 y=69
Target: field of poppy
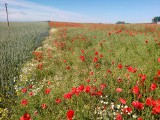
x=92 y=72
x=64 y=24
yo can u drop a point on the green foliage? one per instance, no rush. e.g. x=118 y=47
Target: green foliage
x=156 y=19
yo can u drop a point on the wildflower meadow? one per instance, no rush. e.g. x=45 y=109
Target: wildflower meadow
x=90 y=72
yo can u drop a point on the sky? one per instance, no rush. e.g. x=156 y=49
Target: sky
x=84 y=11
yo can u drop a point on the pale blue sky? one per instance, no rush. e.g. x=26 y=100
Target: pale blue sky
x=100 y=11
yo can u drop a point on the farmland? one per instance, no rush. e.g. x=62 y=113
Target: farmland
x=17 y=42
x=88 y=72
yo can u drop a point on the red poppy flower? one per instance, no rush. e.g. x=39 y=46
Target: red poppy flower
x=80 y=88
x=24 y=90
x=146 y=41
x=156 y=110
x=118 y=116
x=24 y=102
x=30 y=86
x=97 y=65
x=139 y=118
x=95 y=59
x=95 y=36
x=120 y=66
x=138 y=105
x=31 y=94
x=95 y=80
x=101 y=56
x=109 y=33
x=88 y=88
x=158 y=72
x=143 y=77
x=47 y=91
x=70 y=114
x=103 y=86
x=91 y=73
x=96 y=53
x=149 y=101
x=127 y=110
x=154 y=103
x=82 y=51
x=44 y=106
x=88 y=80
x=82 y=58
x=26 y=116
x=131 y=69
x=99 y=93
x=49 y=83
x=67 y=95
x=74 y=91
x=118 y=90
x=109 y=71
x=122 y=100
x=68 y=67
x=135 y=90
x=58 y=100
x=159 y=60
x=153 y=86
x=40 y=65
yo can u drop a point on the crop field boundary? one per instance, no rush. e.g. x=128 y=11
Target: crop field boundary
x=30 y=65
